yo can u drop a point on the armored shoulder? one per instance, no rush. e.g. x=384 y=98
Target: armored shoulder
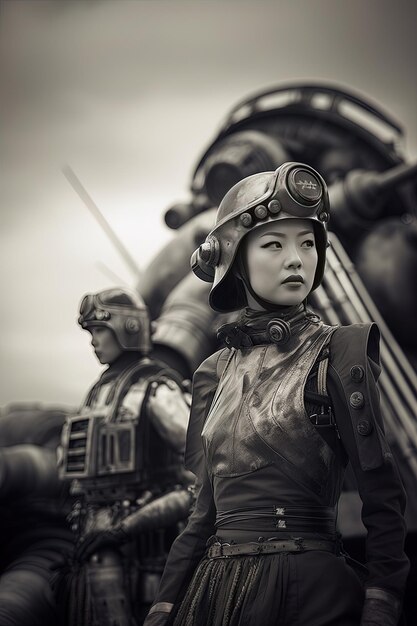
x=354 y=366
x=358 y=342
x=205 y=381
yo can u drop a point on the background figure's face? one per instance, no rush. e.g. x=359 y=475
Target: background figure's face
x=281 y=261
x=105 y=344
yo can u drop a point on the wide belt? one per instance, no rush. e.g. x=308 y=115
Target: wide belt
x=319 y=519
x=297 y=544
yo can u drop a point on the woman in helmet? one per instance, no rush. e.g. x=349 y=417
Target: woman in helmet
x=276 y=417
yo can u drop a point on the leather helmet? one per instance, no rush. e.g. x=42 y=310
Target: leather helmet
x=124 y=312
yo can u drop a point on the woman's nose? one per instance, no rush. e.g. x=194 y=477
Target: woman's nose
x=293 y=259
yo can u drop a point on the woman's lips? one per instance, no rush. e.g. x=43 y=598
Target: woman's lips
x=293 y=279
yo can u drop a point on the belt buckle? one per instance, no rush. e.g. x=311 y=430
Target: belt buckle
x=218 y=547
x=257 y=547
x=299 y=543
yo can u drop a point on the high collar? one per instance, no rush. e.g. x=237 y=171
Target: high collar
x=260 y=327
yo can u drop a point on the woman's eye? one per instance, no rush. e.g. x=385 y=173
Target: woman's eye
x=275 y=245
x=308 y=243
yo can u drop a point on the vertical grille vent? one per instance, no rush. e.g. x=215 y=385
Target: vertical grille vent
x=76 y=461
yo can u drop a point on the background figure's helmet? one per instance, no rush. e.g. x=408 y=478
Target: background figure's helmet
x=124 y=312
x=294 y=190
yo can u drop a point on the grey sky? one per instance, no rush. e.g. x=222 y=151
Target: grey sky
x=129 y=93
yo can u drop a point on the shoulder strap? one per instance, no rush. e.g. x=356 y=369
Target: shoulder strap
x=145 y=368
x=322 y=375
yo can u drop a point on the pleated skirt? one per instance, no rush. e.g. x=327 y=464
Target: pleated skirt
x=293 y=589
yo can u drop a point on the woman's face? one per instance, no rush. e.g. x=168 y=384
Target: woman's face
x=105 y=344
x=281 y=261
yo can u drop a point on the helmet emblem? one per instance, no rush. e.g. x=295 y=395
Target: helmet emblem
x=306 y=184
x=304 y=187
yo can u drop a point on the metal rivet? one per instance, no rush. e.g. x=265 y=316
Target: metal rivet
x=357 y=400
x=246 y=219
x=209 y=251
x=261 y=212
x=101 y=315
x=357 y=373
x=324 y=216
x=205 y=251
x=132 y=325
x=274 y=206
x=364 y=427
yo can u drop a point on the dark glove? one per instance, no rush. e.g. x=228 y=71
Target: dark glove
x=96 y=540
x=160 y=618
x=159 y=614
x=380 y=609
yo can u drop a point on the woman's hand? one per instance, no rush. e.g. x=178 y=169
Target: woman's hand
x=159 y=618
x=159 y=614
x=96 y=540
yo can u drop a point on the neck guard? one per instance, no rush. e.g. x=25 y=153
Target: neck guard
x=263 y=327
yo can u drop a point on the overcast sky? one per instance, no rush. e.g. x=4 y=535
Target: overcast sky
x=129 y=93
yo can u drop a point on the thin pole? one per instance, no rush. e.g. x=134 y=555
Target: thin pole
x=93 y=208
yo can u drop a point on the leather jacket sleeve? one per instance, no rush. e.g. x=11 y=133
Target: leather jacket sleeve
x=352 y=383
x=188 y=549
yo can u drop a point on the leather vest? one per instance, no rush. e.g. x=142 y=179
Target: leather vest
x=114 y=433
x=257 y=417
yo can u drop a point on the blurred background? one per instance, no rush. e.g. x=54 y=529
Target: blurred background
x=129 y=94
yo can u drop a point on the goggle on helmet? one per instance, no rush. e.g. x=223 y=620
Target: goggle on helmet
x=124 y=312
x=294 y=190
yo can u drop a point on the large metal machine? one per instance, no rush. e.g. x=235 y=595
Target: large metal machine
x=357 y=148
